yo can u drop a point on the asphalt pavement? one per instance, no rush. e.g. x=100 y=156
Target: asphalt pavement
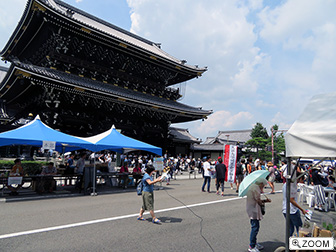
x=191 y=221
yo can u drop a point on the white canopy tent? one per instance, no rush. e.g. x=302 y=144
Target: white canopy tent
x=115 y=141
x=313 y=134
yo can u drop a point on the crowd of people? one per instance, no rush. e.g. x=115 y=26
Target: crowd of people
x=43 y=183
x=319 y=176
x=218 y=170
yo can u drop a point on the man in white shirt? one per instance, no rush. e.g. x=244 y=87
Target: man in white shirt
x=207 y=174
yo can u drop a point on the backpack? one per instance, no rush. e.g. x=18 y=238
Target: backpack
x=140 y=188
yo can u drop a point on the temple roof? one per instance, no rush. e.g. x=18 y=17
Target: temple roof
x=208 y=147
x=241 y=136
x=99 y=26
x=182 y=135
x=224 y=137
x=72 y=82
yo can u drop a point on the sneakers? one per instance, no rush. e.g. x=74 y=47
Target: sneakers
x=259 y=246
x=253 y=249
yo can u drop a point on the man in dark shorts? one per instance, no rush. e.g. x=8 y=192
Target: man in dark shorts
x=220 y=175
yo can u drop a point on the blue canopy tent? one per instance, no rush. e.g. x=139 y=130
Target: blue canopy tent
x=115 y=141
x=36 y=132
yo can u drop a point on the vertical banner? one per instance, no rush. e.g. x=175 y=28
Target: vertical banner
x=230 y=161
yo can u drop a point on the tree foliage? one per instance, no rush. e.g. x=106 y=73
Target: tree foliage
x=259 y=131
x=259 y=146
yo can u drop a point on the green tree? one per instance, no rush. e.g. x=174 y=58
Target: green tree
x=259 y=146
x=256 y=145
x=259 y=131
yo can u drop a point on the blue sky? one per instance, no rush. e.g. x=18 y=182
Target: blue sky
x=266 y=59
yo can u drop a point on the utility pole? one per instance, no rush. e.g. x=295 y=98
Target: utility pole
x=276 y=131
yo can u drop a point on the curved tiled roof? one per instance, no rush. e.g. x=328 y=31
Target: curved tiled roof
x=235 y=135
x=91 y=22
x=108 y=89
x=208 y=147
x=182 y=135
x=110 y=29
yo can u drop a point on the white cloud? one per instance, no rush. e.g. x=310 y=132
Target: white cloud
x=295 y=19
x=307 y=30
x=222 y=120
x=280 y=120
x=255 y=4
x=263 y=104
x=242 y=76
x=216 y=35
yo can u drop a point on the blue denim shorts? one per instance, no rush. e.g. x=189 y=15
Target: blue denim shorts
x=295 y=219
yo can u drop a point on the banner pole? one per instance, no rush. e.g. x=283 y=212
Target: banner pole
x=94 y=178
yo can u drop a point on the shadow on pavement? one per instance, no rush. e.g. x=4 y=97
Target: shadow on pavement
x=272 y=245
x=170 y=220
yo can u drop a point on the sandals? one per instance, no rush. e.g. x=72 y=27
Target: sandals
x=156 y=220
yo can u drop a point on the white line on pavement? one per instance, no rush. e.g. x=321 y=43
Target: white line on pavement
x=41 y=230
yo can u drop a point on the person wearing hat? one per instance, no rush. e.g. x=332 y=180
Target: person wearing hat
x=253 y=209
x=148 y=194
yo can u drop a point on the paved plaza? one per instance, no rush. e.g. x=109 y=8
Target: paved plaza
x=191 y=221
